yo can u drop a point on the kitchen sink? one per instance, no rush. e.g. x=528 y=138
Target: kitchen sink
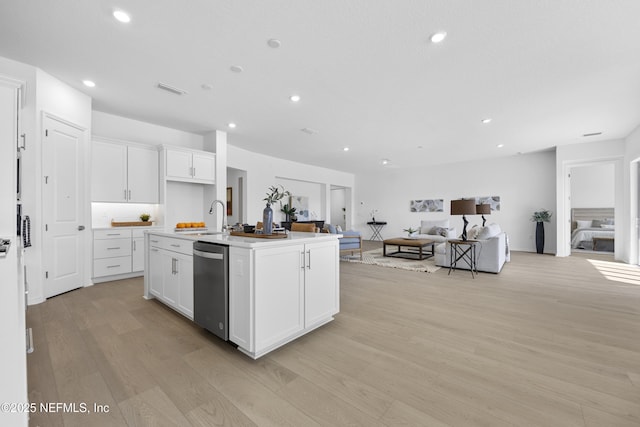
x=204 y=233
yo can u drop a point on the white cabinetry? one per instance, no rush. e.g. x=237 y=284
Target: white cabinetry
x=190 y=165
x=124 y=173
x=278 y=294
x=118 y=252
x=171 y=272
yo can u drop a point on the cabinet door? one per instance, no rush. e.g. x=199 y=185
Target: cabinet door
x=108 y=172
x=142 y=175
x=204 y=167
x=184 y=273
x=171 y=291
x=137 y=254
x=279 y=294
x=156 y=272
x=321 y=281
x=178 y=164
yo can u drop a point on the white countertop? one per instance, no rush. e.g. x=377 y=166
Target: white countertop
x=248 y=242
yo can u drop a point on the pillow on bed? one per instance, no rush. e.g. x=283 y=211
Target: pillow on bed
x=596 y=223
x=608 y=221
x=584 y=224
x=608 y=226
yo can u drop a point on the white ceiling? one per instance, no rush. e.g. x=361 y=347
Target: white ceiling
x=545 y=71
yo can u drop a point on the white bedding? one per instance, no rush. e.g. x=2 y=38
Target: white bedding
x=582 y=234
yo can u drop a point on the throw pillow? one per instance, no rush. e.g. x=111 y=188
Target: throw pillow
x=489 y=231
x=441 y=231
x=608 y=226
x=473 y=232
x=338 y=229
x=426 y=226
x=596 y=223
x=584 y=224
x=332 y=228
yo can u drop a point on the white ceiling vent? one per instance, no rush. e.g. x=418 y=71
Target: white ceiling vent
x=171 y=89
x=309 y=131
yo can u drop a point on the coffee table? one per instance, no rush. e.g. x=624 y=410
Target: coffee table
x=415 y=248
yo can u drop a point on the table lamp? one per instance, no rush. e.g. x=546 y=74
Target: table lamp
x=483 y=210
x=463 y=207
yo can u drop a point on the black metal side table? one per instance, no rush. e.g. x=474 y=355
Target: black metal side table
x=376 y=228
x=463 y=250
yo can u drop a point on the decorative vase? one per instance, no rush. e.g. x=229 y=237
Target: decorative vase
x=540 y=237
x=267 y=220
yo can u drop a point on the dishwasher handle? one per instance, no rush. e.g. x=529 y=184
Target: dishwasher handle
x=209 y=255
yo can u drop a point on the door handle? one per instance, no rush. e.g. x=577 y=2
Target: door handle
x=80 y=227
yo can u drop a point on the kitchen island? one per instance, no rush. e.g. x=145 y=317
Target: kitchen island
x=279 y=289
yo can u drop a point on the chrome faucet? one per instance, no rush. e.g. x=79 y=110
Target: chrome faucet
x=224 y=214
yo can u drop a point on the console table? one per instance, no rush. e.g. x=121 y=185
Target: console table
x=376 y=228
x=463 y=250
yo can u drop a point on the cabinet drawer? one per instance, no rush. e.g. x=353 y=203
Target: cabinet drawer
x=111 y=234
x=177 y=245
x=111 y=266
x=109 y=248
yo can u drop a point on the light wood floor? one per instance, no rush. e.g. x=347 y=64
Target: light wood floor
x=547 y=342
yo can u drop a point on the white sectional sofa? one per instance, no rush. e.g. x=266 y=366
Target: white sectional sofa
x=438 y=231
x=491 y=253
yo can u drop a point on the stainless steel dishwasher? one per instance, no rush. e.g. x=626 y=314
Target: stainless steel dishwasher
x=211 y=287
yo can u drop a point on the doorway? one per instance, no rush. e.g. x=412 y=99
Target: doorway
x=339 y=207
x=63 y=205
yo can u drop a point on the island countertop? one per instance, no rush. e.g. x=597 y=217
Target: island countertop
x=246 y=242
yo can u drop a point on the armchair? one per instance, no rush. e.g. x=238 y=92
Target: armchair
x=351 y=240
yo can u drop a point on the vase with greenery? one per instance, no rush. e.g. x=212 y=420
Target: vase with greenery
x=275 y=194
x=540 y=217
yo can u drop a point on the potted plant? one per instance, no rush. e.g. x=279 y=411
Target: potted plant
x=289 y=212
x=410 y=231
x=540 y=217
x=275 y=194
x=144 y=217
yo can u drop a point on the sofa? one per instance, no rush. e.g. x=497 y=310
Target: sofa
x=492 y=250
x=437 y=230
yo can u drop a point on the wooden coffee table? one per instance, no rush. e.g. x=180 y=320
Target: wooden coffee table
x=415 y=248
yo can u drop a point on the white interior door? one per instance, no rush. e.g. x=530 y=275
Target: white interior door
x=63 y=200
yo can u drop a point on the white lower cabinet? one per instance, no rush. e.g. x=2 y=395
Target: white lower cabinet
x=118 y=252
x=170 y=273
x=278 y=294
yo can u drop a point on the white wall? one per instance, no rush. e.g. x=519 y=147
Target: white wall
x=593 y=186
x=264 y=171
x=570 y=156
x=525 y=183
x=630 y=206
x=117 y=127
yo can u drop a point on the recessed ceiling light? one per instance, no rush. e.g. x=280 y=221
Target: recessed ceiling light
x=309 y=131
x=345 y=149
x=593 y=134
x=294 y=98
x=206 y=86
x=438 y=37
x=485 y=121
x=273 y=43
x=88 y=83
x=385 y=161
x=500 y=145
x=121 y=16
x=419 y=146
x=232 y=125
x=236 y=68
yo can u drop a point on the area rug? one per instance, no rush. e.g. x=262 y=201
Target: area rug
x=375 y=257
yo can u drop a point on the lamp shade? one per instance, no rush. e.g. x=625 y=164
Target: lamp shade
x=483 y=209
x=463 y=207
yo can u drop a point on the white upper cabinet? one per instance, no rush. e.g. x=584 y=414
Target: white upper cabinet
x=190 y=166
x=124 y=173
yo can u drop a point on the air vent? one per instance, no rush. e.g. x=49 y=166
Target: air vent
x=593 y=134
x=309 y=131
x=171 y=89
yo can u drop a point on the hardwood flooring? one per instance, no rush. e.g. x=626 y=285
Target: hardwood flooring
x=547 y=342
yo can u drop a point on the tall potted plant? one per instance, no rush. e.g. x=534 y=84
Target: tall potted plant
x=540 y=217
x=275 y=194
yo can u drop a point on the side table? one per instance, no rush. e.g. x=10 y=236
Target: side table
x=376 y=228
x=463 y=250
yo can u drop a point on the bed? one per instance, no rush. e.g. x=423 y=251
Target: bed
x=592 y=227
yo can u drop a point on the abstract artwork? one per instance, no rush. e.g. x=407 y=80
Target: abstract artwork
x=301 y=203
x=430 y=205
x=493 y=201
